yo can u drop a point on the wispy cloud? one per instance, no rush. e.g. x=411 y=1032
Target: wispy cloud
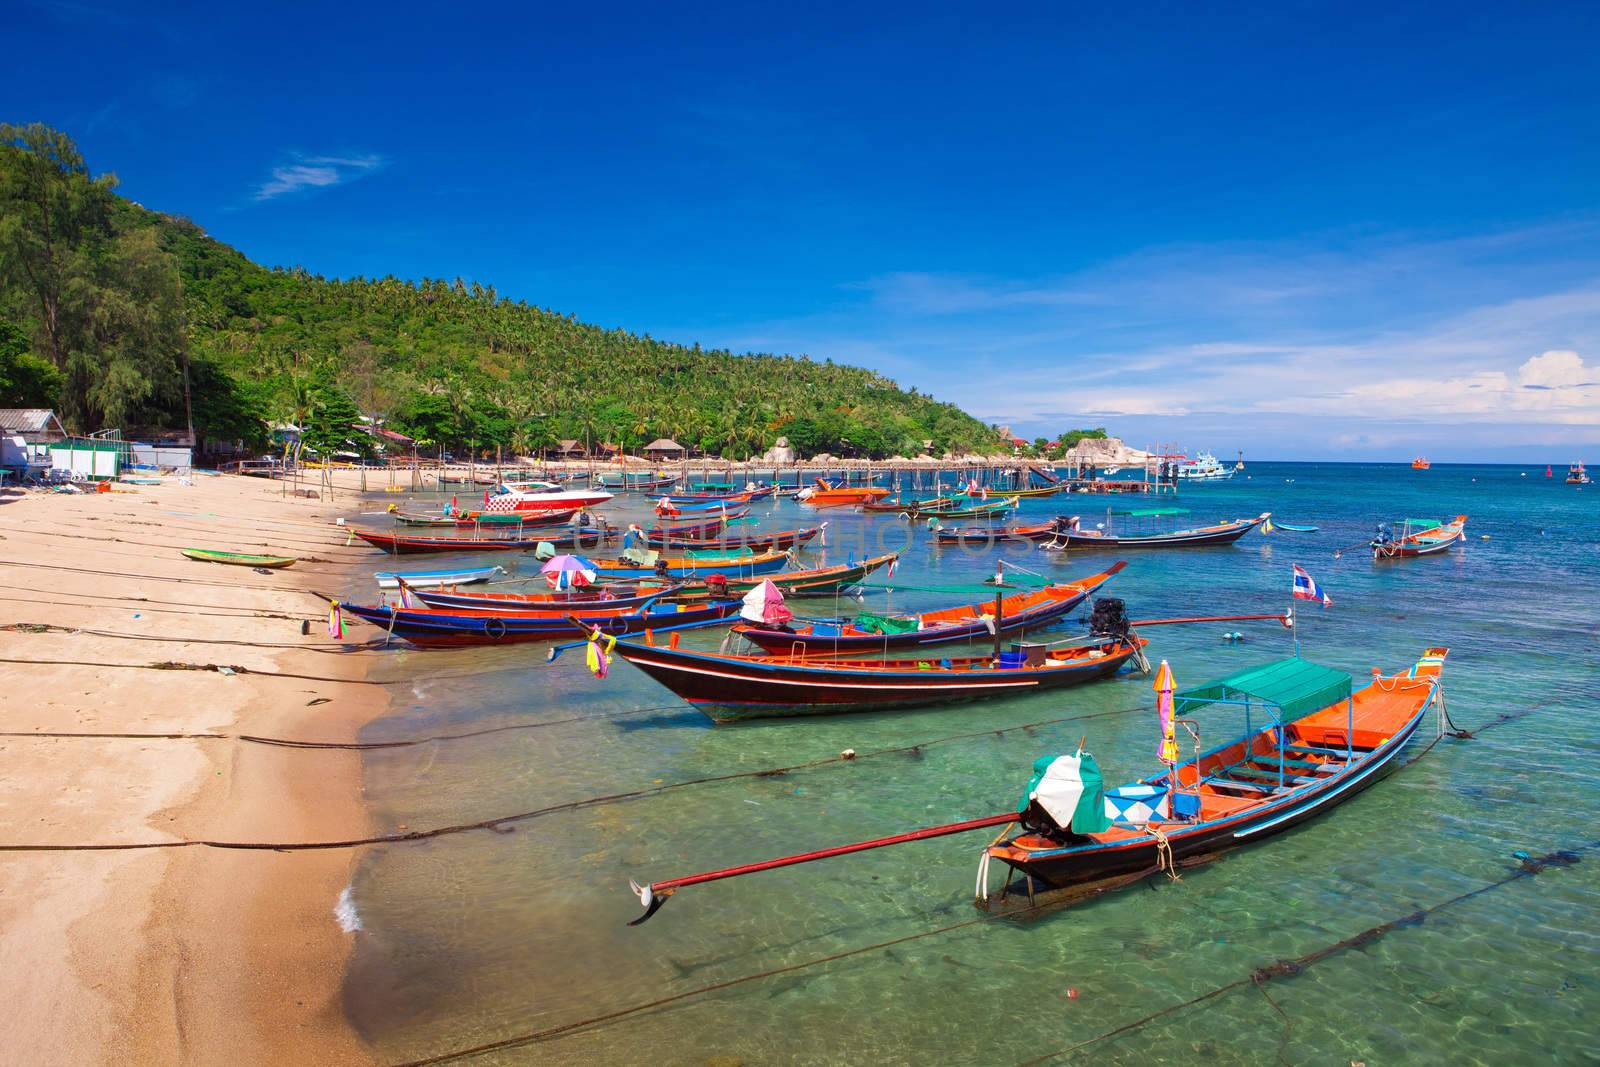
x=316 y=172
x=1361 y=342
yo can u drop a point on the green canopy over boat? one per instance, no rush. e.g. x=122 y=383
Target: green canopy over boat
x=1289 y=688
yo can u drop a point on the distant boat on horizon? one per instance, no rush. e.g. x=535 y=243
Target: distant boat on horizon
x=1420 y=464
x=1576 y=475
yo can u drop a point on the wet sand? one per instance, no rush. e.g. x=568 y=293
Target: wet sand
x=193 y=954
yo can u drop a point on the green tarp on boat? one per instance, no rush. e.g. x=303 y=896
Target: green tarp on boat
x=1071 y=790
x=1294 y=687
x=883 y=624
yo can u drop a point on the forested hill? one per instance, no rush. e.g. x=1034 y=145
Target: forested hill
x=453 y=364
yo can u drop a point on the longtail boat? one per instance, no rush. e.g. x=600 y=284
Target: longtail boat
x=986 y=509
x=819 y=581
x=827 y=495
x=702 y=509
x=711 y=527
x=917 y=507
x=1321 y=742
x=1418 y=537
x=729 y=688
x=445 y=628
x=651 y=564
x=485 y=518
x=636 y=482
x=1223 y=533
x=599 y=595
x=988 y=535
x=238 y=559
x=428 y=579
x=412 y=544
x=756 y=542
x=1017 y=613
x=698 y=499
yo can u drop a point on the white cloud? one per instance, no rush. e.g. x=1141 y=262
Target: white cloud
x=316 y=172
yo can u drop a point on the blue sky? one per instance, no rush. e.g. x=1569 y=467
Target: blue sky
x=1306 y=231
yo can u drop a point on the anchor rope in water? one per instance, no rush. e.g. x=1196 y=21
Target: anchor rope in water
x=589 y=802
x=497 y=822
x=1282 y=968
x=346 y=648
x=145 y=605
x=1292 y=967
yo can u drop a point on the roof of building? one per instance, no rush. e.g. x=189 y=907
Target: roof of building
x=29 y=420
x=663 y=444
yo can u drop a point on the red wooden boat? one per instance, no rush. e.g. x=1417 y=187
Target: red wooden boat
x=1017 y=613
x=413 y=544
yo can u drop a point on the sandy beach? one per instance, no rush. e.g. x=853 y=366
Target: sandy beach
x=189 y=954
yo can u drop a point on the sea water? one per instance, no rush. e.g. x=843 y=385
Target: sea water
x=476 y=938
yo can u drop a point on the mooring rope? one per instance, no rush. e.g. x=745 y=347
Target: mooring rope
x=332 y=649
x=1282 y=968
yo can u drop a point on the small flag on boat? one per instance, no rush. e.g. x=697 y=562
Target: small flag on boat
x=1306 y=587
x=894 y=565
x=1164 y=685
x=335 y=621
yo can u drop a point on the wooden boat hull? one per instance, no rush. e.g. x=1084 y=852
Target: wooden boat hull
x=414 y=544
x=734 y=688
x=686 y=567
x=988 y=535
x=755 y=542
x=1292 y=528
x=1082 y=860
x=440 y=628
x=429 y=579
x=576 y=601
x=996 y=509
x=1427 y=543
x=1223 y=534
x=1067 y=597
x=486 y=518
x=238 y=559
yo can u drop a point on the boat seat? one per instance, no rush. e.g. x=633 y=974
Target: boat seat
x=1269 y=762
x=1271 y=776
x=1223 y=783
x=1341 y=753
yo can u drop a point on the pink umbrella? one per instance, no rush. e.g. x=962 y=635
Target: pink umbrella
x=567 y=572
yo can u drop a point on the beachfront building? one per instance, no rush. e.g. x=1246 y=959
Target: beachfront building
x=664 y=448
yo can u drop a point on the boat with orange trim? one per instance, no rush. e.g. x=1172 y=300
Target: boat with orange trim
x=1420 y=464
x=827 y=495
x=1418 y=537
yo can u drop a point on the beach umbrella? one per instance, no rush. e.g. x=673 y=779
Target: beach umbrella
x=568 y=572
x=1164 y=686
x=764 y=604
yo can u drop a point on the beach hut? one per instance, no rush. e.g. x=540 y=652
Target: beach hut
x=664 y=448
x=567 y=450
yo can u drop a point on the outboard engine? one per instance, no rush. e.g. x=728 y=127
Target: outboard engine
x=1385 y=535
x=1109 y=618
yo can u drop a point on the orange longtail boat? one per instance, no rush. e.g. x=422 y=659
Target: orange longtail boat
x=827 y=495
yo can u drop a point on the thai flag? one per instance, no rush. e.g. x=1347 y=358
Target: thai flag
x=1306 y=588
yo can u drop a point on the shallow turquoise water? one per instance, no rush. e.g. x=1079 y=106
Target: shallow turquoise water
x=483 y=936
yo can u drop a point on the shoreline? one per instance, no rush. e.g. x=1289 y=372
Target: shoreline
x=176 y=955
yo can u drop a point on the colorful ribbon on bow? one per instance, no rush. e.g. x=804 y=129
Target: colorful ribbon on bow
x=597 y=655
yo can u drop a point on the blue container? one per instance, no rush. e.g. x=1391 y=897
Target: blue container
x=1012 y=660
x=1185 y=806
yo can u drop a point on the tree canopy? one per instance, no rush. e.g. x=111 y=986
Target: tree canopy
x=123 y=303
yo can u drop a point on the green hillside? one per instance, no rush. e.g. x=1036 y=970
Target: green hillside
x=452 y=363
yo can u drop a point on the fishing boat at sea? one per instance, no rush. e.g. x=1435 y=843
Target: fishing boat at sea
x=449 y=628
x=1576 y=475
x=429 y=579
x=701 y=509
x=238 y=559
x=988 y=509
x=635 y=482
x=989 y=535
x=648 y=563
x=873 y=631
x=511 y=541
x=1420 y=464
x=731 y=688
x=1417 y=537
x=814 y=582
x=913 y=507
x=826 y=494
x=483 y=518
x=755 y=541
x=1311 y=741
x=1222 y=533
